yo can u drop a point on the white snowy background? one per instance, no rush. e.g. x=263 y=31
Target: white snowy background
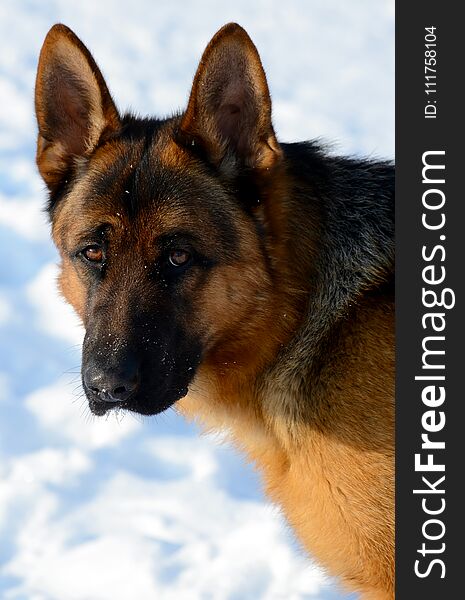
x=147 y=509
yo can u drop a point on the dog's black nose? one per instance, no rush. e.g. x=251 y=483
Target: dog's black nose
x=112 y=385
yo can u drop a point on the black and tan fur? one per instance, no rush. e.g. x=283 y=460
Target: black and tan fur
x=247 y=281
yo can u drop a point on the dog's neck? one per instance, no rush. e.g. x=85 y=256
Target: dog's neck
x=348 y=204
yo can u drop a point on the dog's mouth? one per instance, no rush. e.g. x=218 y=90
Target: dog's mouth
x=99 y=408
x=149 y=404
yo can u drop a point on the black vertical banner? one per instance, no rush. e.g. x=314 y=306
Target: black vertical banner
x=430 y=241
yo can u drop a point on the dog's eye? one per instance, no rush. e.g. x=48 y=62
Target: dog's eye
x=93 y=254
x=179 y=258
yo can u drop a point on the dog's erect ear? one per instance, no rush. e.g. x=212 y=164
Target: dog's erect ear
x=73 y=105
x=229 y=110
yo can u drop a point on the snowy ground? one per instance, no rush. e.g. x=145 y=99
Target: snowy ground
x=134 y=510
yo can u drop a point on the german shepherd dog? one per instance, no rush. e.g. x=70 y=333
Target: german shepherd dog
x=249 y=282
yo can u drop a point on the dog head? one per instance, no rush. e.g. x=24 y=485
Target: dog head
x=164 y=227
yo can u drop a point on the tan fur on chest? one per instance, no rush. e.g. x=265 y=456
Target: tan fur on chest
x=332 y=475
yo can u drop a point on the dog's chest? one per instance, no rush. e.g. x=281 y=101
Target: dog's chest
x=331 y=493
